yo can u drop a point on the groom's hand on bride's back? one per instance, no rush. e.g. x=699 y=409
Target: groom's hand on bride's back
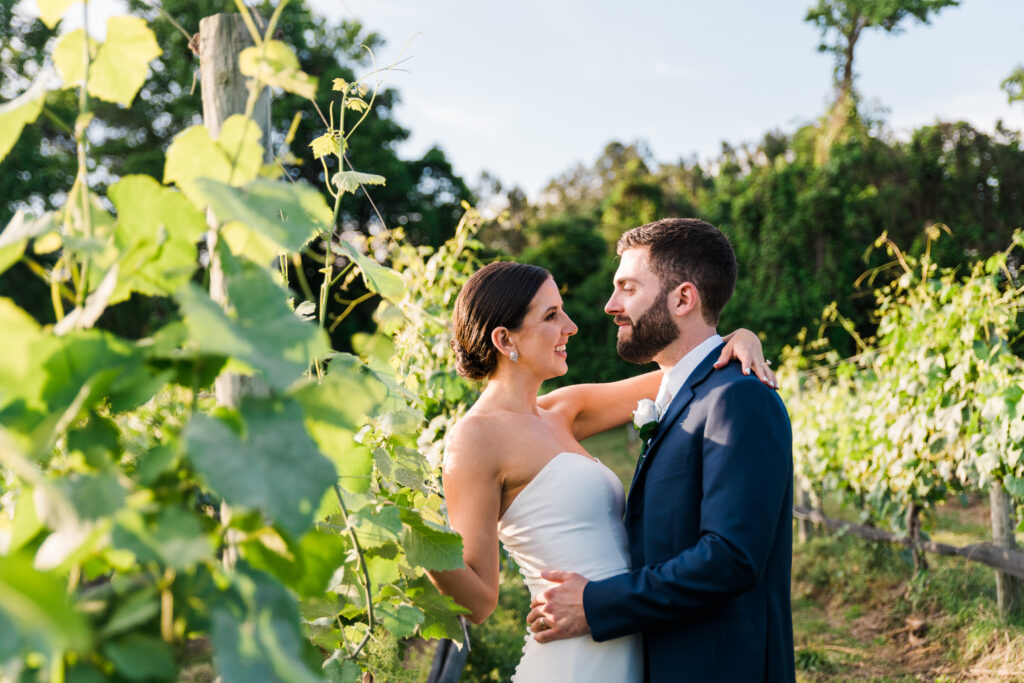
x=557 y=612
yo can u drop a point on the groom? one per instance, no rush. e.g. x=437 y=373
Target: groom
x=709 y=513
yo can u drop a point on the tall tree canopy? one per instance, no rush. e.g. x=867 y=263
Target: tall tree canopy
x=842 y=23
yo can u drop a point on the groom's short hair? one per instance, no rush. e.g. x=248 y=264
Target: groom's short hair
x=688 y=250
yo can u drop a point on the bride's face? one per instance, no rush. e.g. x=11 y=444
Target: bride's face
x=541 y=339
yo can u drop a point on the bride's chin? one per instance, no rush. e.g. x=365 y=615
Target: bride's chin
x=560 y=371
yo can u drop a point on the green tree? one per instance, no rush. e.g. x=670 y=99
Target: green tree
x=1014 y=85
x=842 y=23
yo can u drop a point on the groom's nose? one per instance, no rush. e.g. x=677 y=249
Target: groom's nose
x=612 y=306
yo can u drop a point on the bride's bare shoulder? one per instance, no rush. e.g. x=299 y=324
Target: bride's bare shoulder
x=475 y=442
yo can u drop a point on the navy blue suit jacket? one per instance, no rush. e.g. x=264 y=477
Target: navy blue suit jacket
x=709 y=517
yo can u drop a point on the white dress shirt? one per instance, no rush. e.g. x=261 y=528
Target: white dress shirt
x=676 y=376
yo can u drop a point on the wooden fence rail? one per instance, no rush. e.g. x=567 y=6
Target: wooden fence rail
x=1003 y=559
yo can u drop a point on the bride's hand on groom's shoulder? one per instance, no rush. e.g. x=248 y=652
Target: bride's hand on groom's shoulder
x=557 y=613
x=745 y=346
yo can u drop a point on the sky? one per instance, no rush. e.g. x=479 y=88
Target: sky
x=526 y=89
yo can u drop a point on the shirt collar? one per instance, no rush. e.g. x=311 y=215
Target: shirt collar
x=676 y=376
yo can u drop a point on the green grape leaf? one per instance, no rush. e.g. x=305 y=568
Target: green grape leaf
x=18 y=113
x=247 y=243
x=175 y=538
x=69 y=57
x=93 y=496
x=383 y=564
x=239 y=142
x=140 y=657
x=37 y=604
x=11 y=642
x=262 y=331
x=21 y=346
x=273 y=466
x=256 y=634
x=440 y=612
x=157 y=230
x=349 y=181
x=340 y=670
x=275 y=64
x=50 y=11
x=400 y=621
x=378 y=278
x=133 y=611
x=430 y=545
x=27 y=524
x=122 y=62
x=112 y=369
x=306 y=567
x=335 y=409
x=1014 y=486
x=377 y=527
x=321 y=553
x=324 y=145
x=288 y=214
x=235 y=157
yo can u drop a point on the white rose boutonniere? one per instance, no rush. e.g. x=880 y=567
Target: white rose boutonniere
x=645 y=418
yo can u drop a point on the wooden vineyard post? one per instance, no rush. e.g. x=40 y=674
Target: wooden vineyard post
x=804 y=527
x=1008 y=588
x=914 y=538
x=222 y=37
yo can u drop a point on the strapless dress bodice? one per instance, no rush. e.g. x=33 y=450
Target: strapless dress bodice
x=569 y=517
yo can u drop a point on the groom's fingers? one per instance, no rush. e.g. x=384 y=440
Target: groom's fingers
x=556 y=575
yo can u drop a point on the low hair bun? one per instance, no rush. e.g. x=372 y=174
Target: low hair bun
x=469 y=365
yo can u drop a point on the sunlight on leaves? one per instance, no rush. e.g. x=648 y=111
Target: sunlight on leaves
x=277 y=66
x=51 y=11
x=19 y=112
x=123 y=60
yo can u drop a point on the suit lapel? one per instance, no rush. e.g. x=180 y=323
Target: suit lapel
x=675 y=409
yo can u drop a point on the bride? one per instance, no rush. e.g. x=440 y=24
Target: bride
x=514 y=470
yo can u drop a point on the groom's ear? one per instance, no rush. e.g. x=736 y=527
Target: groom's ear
x=684 y=299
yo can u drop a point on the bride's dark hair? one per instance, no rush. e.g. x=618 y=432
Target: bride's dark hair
x=497 y=295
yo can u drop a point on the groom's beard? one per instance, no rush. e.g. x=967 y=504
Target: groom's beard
x=650 y=333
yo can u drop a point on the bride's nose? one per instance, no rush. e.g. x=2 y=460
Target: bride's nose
x=570 y=327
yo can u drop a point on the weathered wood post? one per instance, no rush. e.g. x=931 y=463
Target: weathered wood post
x=804 y=527
x=1008 y=588
x=222 y=37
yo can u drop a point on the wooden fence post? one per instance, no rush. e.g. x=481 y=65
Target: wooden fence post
x=222 y=37
x=804 y=527
x=1008 y=588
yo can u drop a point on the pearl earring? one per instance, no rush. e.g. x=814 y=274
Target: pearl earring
x=514 y=356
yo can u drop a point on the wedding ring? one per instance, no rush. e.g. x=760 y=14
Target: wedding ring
x=767 y=362
x=543 y=624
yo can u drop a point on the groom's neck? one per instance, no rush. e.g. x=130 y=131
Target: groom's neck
x=687 y=341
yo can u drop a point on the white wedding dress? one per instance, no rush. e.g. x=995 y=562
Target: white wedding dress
x=569 y=517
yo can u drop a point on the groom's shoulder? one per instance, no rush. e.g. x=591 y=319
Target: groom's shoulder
x=731 y=385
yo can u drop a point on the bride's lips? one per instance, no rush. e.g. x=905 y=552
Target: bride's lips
x=561 y=351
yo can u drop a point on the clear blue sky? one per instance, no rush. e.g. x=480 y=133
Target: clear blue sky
x=524 y=89
x=527 y=88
